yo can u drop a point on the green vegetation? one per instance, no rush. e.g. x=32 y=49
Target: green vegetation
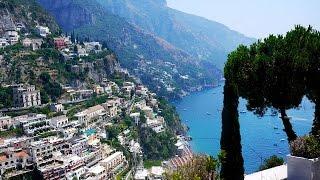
x=157 y=146
x=12 y=132
x=149 y=163
x=232 y=165
x=283 y=69
x=307 y=147
x=200 y=167
x=271 y=162
x=171 y=117
x=5 y=97
x=274 y=73
x=51 y=88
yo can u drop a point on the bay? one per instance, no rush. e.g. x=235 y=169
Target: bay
x=261 y=137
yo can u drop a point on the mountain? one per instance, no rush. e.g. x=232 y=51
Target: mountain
x=202 y=38
x=27 y=12
x=164 y=67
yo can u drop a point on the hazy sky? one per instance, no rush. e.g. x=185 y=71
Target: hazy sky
x=255 y=18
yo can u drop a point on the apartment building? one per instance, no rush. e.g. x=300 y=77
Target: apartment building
x=26 y=96
x=87 y=116
x=33 y=123
x=13 y=159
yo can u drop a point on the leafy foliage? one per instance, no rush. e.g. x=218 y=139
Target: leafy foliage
x=271 y=162
x=232 y=165
x=157 y=146
x=199 y=168
x=307 y=147
x=6 y=100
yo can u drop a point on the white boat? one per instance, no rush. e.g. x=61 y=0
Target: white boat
x=282 y=140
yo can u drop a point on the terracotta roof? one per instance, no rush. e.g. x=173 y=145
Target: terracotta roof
x=3 y=158
x=22 y=154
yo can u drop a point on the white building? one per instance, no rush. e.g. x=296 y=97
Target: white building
x=79 y=145
x=33 y=123
x=3 y=42
x=5 y=122
x=156 y=173
x=76 y=173
x=85 y=117
x=12 y=36
x=41 y=152
x=13 y=159
x=92 y=46
x=34 y=44
x=43 y=31
x=97 y=172
x=113 y=162
x=157 y=124
x=111 y=107
x=59 y=121
x=56 y=107
x=136 y=117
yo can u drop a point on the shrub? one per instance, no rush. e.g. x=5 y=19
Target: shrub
x=271 y=162
x=307 y=147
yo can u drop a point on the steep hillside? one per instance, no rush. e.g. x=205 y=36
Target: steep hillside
x=27 y=12
x=165 y=68
x=204 y=39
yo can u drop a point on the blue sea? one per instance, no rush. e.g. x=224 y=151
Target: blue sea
x=261 y=137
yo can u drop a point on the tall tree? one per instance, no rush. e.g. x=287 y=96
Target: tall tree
x=232 y=165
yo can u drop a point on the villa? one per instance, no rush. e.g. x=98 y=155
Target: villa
x=85 y=117
x=5 y=122
x=26 y=96
x=33 y=123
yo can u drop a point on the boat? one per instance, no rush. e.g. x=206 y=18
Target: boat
x=184 y=109
x=282 y=140
x=243 y=112
x=208 y=113
x=275 y=127
x=274 y=113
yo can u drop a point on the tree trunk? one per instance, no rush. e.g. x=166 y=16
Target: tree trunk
x=287 y=125
x=232 y=164
x=316 y=121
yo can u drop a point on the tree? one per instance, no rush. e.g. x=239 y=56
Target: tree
x=232 y=165
x=271 y=162
x=199 y=167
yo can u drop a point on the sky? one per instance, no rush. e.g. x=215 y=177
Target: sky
x=255 y=18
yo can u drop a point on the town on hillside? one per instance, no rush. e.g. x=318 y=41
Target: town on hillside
x=107 y=127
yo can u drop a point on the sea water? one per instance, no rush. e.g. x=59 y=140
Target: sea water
x=261 y=137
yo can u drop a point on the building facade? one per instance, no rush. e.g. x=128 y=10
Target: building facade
x=26 y=96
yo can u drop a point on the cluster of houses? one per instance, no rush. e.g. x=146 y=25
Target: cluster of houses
x=62 y=148
x=12 y=36
x=59 y=158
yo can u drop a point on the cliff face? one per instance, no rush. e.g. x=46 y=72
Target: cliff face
x=203 y=39
x=27 y=12
x=69 y=15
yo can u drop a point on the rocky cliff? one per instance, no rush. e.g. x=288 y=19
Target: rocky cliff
x=27 y=12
